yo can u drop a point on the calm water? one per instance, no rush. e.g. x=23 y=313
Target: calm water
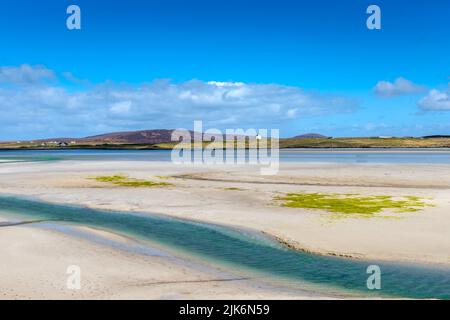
x=229 y=247
x=423 y=156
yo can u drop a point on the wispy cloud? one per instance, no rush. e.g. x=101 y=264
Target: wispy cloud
x=25 y=74
x=400 y=86
x=71 y=78
x=51 y=109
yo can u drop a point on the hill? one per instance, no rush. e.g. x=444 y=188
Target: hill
x=132 y=137
x=143 y=139
x=311 y=136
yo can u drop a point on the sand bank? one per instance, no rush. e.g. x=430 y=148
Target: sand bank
x=35 y=261
x=239 y=196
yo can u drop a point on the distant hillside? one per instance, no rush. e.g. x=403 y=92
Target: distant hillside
x=161 y=139
x=126 y=137
x=143 y=139
x=311 y=136
x=132 y=137
x=138 y=137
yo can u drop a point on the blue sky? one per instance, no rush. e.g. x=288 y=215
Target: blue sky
x=294 y=65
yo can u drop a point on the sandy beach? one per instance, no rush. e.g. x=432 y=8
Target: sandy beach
x=35 y=261
x=231 y=196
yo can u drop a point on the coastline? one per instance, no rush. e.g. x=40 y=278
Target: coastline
x=289 y=148
x=128 y=141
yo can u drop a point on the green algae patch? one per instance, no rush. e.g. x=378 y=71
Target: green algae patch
x=114 y=178
x=165 y=177
x=126 y=181
x=233 y=189
x=352 y=204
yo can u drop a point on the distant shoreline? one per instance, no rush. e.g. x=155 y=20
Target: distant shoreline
x=116 y=148
x=284 y=143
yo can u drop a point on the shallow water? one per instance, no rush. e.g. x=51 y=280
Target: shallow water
x=229 y=247
x=420 y=156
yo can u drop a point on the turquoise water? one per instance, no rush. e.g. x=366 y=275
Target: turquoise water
x=229 y=247
x=423 y=156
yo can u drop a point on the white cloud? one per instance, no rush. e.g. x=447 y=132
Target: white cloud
x=226 y=84
x=436 y=100
x=25 y=74
x=50 y=109
x=291 y=113
x=400 y=86
x=122 y=107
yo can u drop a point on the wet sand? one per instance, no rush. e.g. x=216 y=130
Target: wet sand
x=35 y=261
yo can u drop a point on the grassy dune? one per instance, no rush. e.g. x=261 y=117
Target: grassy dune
x=366 y=143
